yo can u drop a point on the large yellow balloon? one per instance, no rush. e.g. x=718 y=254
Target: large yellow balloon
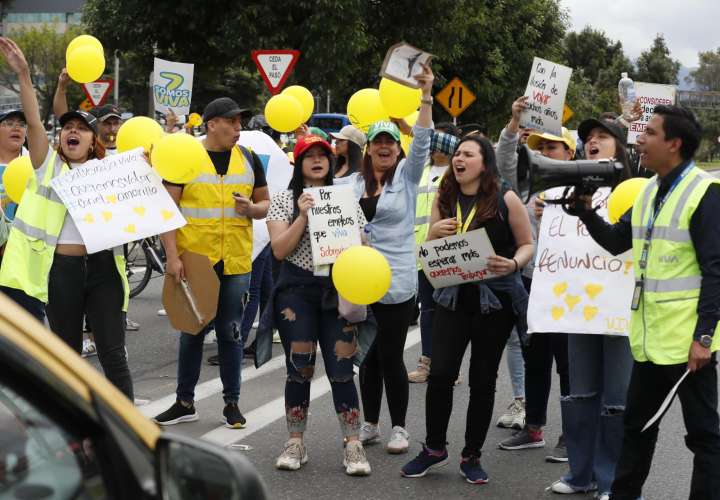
x=138 y=131
x=623 y=197
x=16 y=176
x=361 y=275
x=80 y=41
x=304 y=97
x=365 y=108
x=397 y=99
x=178 y=158
x=284 y=113
x=85 y=63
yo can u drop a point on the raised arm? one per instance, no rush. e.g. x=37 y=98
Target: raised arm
x=60 y=106
x=36 y=137
x=420 y=146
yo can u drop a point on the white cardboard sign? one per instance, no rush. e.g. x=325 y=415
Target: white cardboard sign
x=117 y=200
x=546 y=90
x=333 y=222
x=578 y=287
x=650 y=95
x=172 y=86
x=458 y=259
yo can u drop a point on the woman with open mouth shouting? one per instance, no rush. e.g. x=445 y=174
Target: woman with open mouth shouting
x=46 y=256
x=387 y=189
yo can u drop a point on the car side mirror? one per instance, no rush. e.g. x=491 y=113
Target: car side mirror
x=188 y=469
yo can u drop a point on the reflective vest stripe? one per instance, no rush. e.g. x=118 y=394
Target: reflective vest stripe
x=684 y=284
x=663 y=233
x=684 y=196
x=425 y=189
x=210 y=213
x=34 y=232
x=419 y=221
x=215 y=179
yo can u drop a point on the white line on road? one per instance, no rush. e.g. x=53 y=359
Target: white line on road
x=268 y=413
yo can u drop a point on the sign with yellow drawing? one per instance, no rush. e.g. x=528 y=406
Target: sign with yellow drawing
x=578 y=287
x=117 y=200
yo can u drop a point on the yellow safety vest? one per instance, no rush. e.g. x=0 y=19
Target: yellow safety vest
x=34 y=235
x=213 y=227
x=423 y=208
x=662 y=327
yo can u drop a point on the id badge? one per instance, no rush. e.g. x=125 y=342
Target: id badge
x=637 y=295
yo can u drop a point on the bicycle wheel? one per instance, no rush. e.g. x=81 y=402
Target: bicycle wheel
x=138 y=267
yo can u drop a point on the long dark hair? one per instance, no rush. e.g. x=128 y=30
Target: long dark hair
x=297 y=182
x=371 y=183
x=486 y=205
x=353 y=159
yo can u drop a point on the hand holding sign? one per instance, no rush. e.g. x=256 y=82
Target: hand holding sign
x=333 y=221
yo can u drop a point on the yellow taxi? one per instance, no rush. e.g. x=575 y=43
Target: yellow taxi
x=66 y=432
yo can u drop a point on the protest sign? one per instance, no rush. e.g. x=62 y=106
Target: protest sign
x=117 y=200
x=333 y=222
x=403 y=62
x=457 y=259
x=172 y=86
x=546 y=91
x=578 y=287
x=650 y=95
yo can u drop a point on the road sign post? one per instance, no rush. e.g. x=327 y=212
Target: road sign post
x=275 y=66
x=455 y=97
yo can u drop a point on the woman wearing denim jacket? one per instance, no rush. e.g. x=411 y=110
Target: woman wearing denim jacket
x=470 y=197
x=387 y=191
x=306 y=314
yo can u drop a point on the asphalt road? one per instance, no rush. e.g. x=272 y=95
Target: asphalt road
x=513 y=475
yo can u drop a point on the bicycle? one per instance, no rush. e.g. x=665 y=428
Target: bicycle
x=142 y=257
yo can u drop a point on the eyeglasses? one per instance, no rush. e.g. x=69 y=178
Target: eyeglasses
x=13 y=124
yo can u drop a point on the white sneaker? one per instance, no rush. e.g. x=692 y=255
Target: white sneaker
x=88 y=348
x=369 y=433
x=514 y=417
x=563 y=488
x=355 y=461
x=294 y=455
x=210 y=338
x=162 y=312
x=603 y=496
x=398 y=440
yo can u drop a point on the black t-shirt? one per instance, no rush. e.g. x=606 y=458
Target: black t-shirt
x=498 y=228
x=221 y=162
x=369 y=207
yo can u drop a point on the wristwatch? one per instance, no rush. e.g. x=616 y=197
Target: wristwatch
x=705 y=340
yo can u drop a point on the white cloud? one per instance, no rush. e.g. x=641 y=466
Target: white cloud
x=689 y=26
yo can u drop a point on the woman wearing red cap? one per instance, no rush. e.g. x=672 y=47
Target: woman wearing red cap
x=305 y=312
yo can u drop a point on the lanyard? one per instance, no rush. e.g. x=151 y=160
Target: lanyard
x=655 y=213
x=462 y=228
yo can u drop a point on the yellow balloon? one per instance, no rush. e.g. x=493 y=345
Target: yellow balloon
x=85 y=63
x=178 y=158
x=284 y=113
x=16 y=176
x=411 y=119
x=397 y=99
x=304 y=97
x=623 y=197
x=138 y=131
x=365 y=108
x=80 y=41
x=361 y=275
x=194 y=120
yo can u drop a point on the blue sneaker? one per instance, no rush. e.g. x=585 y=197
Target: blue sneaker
x=472 y=471
x=420 y=465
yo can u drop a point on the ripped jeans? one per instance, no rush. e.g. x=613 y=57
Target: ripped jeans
x=303 y=324
x=600 y=368
x=230 y=342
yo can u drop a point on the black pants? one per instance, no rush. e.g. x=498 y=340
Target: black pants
x=30 y=304
x=488 y=334
x=538 y=356
x=90 y=285
x=649 y=384
x=384 y=363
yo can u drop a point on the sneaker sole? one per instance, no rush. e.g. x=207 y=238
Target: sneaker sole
x=478 y=481
x=356 y=472
x=556 y=460
x=233 y=426
x=179 y=420
x=433 y=466
x=397 y=451
x=528 y=446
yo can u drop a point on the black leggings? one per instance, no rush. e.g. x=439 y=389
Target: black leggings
x=384 y=363
x=90 y=285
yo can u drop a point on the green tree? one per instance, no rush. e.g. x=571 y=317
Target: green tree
x=707 y=74
x=44 y=49
x=655 y=64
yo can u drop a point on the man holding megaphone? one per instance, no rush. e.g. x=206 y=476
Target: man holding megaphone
x=676 y=252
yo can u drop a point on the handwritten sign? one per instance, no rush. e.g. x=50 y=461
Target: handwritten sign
x=546 y=91
x=578 y=287
x=403 y=62
x=117 y=200
x=457 y=259
x=650 y=95
x=172 y=86
x=333 y=222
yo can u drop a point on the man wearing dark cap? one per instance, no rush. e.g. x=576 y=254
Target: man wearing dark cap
x=13 y=129
x=219 y=205
x=109 y=123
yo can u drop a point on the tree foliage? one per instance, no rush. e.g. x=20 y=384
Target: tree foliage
x=655 y=64
x=707 y=74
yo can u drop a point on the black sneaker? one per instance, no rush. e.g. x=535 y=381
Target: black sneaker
x=523 y=440
x=177 y=414
x=559 y=453
x=214 y=360
x=233 y=418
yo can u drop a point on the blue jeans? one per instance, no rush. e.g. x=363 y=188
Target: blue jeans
x=600 y=368
x=261 y=284
x=230 y=343
x=427 y=313
x=516 y=365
